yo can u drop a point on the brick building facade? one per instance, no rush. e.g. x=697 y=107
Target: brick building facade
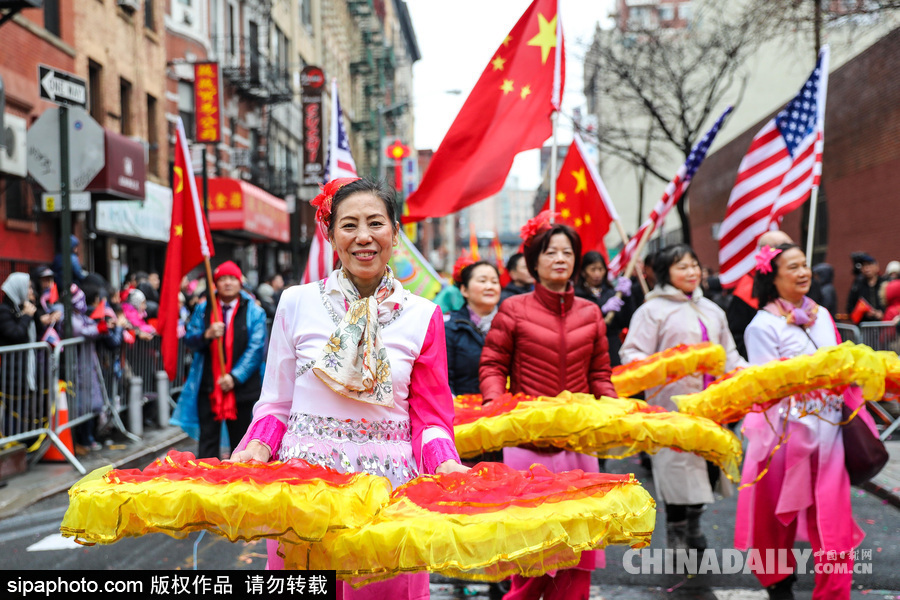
x=859 y=201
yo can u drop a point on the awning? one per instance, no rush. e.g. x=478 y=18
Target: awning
x=236 y=205
x=123 y=176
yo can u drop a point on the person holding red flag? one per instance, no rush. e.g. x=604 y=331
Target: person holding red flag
x=508 y=111
x=223 y=395
x=190 y=244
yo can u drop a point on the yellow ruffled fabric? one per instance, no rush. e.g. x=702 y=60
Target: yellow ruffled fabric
x=604 y=427
x=490 y=546
x=731 y=397
x=103 y=512
x=667 y=366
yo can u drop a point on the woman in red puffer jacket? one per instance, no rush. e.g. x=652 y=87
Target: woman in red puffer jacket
x=546 y=342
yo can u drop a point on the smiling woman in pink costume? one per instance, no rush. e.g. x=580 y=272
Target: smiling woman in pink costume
x=356 y=374
x=805 y=490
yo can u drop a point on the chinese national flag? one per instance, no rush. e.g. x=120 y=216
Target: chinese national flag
x=582 y=200
x=508 y=111
x=498 y=256
x=189 y=243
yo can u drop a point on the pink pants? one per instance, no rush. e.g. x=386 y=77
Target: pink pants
x=407 y=586
x=770 y=533
x=568 y=584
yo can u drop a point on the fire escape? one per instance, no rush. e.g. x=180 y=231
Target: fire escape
x=373 y=67
x=263 y=80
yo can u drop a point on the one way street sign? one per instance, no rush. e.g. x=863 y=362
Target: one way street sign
x=62 y=87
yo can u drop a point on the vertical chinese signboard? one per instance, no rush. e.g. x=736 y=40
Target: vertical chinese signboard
x=312 y=83
x=207 y=103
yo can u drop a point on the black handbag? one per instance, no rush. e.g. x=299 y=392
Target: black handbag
x=864 y=454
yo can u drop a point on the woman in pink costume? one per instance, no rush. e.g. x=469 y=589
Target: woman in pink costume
x=805 y=491
x=328 y=400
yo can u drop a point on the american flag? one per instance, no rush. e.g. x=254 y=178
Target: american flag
x=674 y=191
x=340 y=163
x=776 y=176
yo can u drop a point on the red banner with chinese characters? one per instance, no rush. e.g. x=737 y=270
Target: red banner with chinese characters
x=207 y=103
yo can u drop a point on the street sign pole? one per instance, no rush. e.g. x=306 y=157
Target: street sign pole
x=65 y=222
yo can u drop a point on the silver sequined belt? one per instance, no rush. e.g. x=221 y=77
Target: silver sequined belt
x=302 y=424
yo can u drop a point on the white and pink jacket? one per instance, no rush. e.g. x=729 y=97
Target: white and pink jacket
x=298 y=416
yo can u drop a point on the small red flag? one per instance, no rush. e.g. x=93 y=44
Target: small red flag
x=100 y=311
x=508 y=111
x=189 y=243
x=582 y=200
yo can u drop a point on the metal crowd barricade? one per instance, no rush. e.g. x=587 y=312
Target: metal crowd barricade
x=28 y=398
x=849 y=333
x=881 y=335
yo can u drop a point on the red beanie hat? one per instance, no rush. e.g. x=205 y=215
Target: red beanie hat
x=227 y=268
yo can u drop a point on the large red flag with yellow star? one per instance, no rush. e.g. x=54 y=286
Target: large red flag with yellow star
x=189 y=243
x=508 y=111
x=582 y=200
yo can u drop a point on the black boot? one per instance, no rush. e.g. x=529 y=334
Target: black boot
x=676 y=535
x=782 y=589
x=695 y=537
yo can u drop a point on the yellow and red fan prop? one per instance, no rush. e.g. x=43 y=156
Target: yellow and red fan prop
x=487 y=524
x=667 y=367
x=603 y=427
x=757 y=388
x=240 y=501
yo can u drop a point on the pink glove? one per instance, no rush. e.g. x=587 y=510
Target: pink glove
x=614 y=304
x=623 y=286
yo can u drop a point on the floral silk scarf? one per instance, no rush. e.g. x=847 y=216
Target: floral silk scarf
x=354 y=362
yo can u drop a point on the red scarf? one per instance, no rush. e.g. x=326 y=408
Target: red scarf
x=224 y=405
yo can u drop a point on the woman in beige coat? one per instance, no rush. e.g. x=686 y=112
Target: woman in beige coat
x=676 y=312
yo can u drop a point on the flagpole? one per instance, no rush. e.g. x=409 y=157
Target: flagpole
x=555 y=120
x=630 y=268
x=215 y=316
x=811 y=226
x=624 y=235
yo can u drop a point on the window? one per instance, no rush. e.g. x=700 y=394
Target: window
x=51 y=17
x=684 y=11
x=186 y=106
x=15 y=196
x=95 y=87
x=306 y=14
x=666 y=12
x=125 y=106
x=153 y=134
x=232 y=31
x=149 y=17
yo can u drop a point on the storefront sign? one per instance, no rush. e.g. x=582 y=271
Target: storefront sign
x=148 y=220
x=207 y=103
x=312 y=82
x=236 y=205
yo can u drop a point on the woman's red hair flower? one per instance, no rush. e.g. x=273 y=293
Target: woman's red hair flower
x=323 y=201
x=536 y=225
x=465 y=259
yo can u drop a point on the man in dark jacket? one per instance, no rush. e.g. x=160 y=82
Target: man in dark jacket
x=521 y=280
x=865 y=287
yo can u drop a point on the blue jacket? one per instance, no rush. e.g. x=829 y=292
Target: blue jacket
x=464 y=345
x=245 y=366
